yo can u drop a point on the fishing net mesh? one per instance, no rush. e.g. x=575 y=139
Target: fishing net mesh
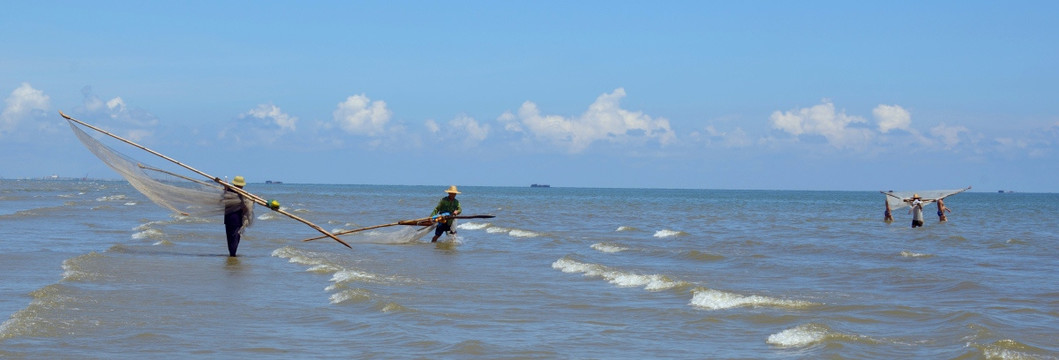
x=896 y=200
x=168 y=189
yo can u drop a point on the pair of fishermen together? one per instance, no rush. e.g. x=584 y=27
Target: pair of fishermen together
x=239 y=213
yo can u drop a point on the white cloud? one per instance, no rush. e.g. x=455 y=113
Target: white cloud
x=736 y=138
x=892 y=117
x=949 y=135
x=473 y=131
x=116 y=105
x=510 y=122
x=21 y=105
x=432 y=126
x=825 y=121
x=264 y=124
x=359 y=115
x=133 y=119
x=274 y=116
x=117 y=110
x=604 y=120
x=463 y=129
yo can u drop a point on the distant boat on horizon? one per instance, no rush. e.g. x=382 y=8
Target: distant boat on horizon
x=273 y=182
x=540 y=185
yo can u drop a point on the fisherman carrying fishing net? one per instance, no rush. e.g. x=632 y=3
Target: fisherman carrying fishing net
x=238 y=214
x=916 y=201
x=442 y=215
x=205 y=195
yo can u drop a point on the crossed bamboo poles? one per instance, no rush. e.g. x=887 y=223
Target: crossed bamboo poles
x=257 y=199
x=427 y=221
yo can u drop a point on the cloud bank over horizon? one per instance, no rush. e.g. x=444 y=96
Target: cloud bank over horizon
x=603 y=121
x=604 y=128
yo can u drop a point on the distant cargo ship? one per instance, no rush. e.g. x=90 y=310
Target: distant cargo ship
x=540 y=185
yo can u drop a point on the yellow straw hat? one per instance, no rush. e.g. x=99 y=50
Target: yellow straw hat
x=452 y=190
x=239 y=181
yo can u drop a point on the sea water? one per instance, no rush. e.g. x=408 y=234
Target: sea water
x=92 y=269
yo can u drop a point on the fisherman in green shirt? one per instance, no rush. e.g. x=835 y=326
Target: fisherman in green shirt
x=448 y=206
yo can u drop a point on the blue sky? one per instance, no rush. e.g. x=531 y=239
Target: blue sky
x=815 y=95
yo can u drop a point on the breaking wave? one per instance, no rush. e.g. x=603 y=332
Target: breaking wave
x=472 y=226
x=511 y=232
x=608 y=248
x=803 y=335
x=812 y=334
x=910 y=254
x=350 y=295
x=148 y=233
x=112 y=198
x=718 y=300
x=668 y=233
x=650 y=282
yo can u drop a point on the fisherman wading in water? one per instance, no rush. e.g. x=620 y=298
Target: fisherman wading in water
x=917 y=211
x=448 y=206
x=238 y=214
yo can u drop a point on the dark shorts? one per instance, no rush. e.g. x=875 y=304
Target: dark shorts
x=917 y=223
x=442 y=228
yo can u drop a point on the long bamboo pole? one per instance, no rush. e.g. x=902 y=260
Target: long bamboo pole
x=145 y=167
x=416 y=222
x=255 y=198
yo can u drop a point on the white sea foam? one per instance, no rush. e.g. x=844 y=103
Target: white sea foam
x=112 y=198
x=512 y=232
x=300 y=256
x=130 y=203
x=355 y=295
x=392 y=307
x=349 y=275
x=910 y=254
x=472 y=226
x=800 y=336
x=318 y=263
x=1009 y=349
x=148 y=225
x=626 y=228
x=523 y=233
x=652 y=282
x=718 y=300
x=147 y=234
x=608 y=248
x=323 y=268
x=668 y=233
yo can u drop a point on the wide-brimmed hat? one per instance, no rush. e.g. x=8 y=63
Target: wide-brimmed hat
x=915 y=196
x=452 y=190
x=239 y=181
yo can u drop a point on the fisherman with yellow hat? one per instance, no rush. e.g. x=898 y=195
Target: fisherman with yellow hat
x=238 y=214
x=917 y=211
x=443 y=213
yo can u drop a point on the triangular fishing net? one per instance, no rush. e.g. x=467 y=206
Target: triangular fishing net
x=168 y=189
x=896 y=198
